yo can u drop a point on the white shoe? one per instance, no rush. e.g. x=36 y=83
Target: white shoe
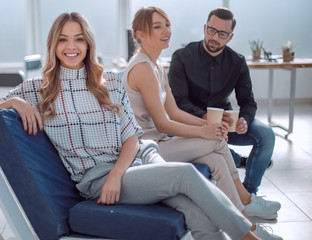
x=262 y=232
x=259 y=207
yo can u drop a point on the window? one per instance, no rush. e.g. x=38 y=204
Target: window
x=13 y=31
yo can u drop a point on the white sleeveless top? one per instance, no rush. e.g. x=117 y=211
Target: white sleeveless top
x=140 y=111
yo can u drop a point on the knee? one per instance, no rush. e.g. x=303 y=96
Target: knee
x=267 y=136
x=223 y=144
x=180 y=168
x=263 y=133
x=266 y=131
x=187 y=169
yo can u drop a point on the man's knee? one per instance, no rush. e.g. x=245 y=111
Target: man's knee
x=262 y=132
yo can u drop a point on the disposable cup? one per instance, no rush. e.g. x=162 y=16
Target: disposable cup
x=214 y=115
x=234 y=116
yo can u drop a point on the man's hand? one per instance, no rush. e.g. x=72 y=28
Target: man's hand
x=226 y=117
x=242 y=126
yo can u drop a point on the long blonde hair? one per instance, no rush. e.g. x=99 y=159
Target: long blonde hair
x=50 y=87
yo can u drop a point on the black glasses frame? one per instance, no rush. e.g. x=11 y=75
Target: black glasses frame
x=221 y=34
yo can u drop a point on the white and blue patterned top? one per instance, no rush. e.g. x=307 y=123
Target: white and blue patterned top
x=84 y=133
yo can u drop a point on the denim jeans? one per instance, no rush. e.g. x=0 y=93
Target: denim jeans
x=262 y=138
x=237 y=158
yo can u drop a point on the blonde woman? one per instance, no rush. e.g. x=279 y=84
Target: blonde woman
x=158 y=115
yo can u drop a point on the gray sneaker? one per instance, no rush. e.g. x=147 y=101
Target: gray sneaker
x=265 y=233
x=259 y=207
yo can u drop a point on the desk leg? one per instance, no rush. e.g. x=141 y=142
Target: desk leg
x=270 y=96
x=292 y=101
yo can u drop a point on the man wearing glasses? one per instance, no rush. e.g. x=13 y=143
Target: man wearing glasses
x=204 y=74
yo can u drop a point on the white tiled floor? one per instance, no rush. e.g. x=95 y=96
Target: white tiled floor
x=289 y=181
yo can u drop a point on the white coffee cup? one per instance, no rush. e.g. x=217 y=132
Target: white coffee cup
x=214 y=115
x=234 y=116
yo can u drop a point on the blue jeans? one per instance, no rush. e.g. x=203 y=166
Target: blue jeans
x=262 y=138
x=237 y=158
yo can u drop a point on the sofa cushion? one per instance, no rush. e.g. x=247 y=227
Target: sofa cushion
x=140 y=221
x=135 y=221
x=38 y=177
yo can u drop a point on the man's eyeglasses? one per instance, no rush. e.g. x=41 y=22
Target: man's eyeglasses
x=222 y=34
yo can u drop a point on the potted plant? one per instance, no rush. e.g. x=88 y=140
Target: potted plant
x=288 y=51
x=255 y=47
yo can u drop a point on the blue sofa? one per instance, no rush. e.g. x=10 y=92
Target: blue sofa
x=53 y=205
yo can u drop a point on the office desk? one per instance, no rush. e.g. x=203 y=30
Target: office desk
x=290 y=66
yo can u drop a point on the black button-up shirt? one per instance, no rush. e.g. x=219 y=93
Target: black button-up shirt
x=198 y=80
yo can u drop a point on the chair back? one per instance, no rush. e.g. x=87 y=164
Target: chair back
x=11 y=79
x=37 y=176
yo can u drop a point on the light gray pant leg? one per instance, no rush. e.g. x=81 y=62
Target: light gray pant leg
x=213 y=153
x=202 y=228
x=199 y=224
x=155 y=182
x=158 y=181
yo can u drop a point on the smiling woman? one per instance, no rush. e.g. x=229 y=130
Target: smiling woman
x=71 y=48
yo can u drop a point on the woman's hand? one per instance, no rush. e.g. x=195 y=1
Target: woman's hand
x=110 y=193
x=29 y=115
x=225 y=130
x=212 y=131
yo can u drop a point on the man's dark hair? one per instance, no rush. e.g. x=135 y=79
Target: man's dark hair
x=224 y=14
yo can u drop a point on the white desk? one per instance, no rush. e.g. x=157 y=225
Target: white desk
x=290 y=66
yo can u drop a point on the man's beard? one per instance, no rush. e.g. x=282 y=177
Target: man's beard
x=213 y=50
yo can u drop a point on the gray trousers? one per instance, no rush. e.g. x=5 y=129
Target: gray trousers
x=215 y=154
x=208 y=212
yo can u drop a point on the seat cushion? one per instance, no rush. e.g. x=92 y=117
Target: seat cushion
x=37 y=176
x=130 y=221
x=155 y=221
